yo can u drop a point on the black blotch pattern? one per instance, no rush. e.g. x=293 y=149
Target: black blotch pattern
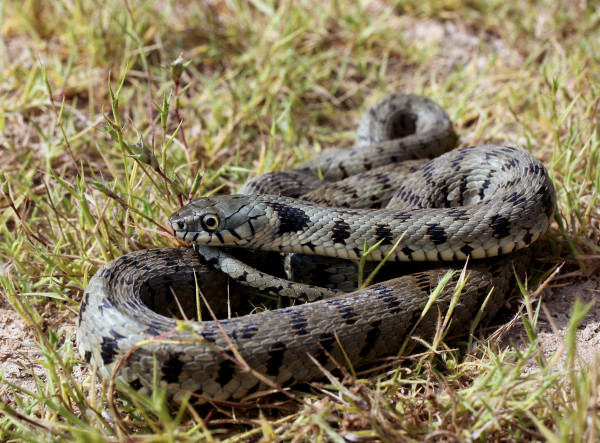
x=423 y=282
x=109 y=347
x=172 y=368
x=459 y=215
x=340 y=231
x=500 y=226
x=226 y=371
x=547 y=199
x=136 y=384
x=386 y=294
x=466 y=249
x=253 y=389
x=106 y=304
x=298 y=323
x=371 y=338
x=310 y=246
x=407 y=251
x=291 y=219
x=208 y=335
x=276 y=355
x=402 y=217
x=84 y=303
x=436 y=233
x=326 y=342
x=344 y=172
x=348 y=314
x=383 y=233
x=515 y=198
x=249 y=332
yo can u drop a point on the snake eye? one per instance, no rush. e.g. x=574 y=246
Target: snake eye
x=210 y=222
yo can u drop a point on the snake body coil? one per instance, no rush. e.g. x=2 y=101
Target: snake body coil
x=482 y=202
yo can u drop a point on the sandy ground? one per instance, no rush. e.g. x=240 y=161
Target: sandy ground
x=553 y=324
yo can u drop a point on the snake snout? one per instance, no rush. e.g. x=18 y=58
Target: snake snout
x=182 y=222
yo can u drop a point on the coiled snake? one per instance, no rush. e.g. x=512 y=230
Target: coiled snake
x=482 y=202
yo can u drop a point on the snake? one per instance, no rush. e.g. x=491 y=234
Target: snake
x=158 y=318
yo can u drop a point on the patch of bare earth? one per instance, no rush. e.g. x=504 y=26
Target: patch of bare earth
x=18 y=353
x=554 y=323
x=20 y=357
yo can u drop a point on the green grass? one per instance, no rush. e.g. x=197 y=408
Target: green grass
x=216 y=94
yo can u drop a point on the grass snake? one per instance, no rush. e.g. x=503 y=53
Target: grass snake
x=488 y=203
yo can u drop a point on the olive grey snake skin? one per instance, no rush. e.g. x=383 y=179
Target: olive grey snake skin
x=481 y=202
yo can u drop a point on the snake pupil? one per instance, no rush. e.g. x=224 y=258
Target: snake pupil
x=210 y=222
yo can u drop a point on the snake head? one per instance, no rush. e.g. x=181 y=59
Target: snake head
x=227 y=220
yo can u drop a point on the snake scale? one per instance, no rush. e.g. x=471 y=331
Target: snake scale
x=487 y=203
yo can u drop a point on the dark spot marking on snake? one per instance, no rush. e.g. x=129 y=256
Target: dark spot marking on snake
x=325 y=343
x=172 y=368
x=109 y=347
x=153 y=330
x=127 y=281
x=534 y=168
x=276 y=354
x=372 y=335
x=462 y=189
x=547 y=196
x=402 y=217
x=500 y=226
x=407 y=251
x=233 y=232
x=348 y=314
x=106 y=304
x=527 y=238
x=511 y=163
x=253 y=389
x=327 y=340
x=459 y=215
x=436 y=233
x=423 y=282
x=515 y=198
x=383 y=234
x=136 y=384
x=243 y=277
x=291 y=219
x=87 y=356
x=219 y=236
x=208 y=335
x=213 y=261
x=394 y=306
x=298 y=323
x=344 y=172
x=466 y=249
x=340 y=231
x=84 y=305
x=249 y=332
x=226 y=371
x=309 y=245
